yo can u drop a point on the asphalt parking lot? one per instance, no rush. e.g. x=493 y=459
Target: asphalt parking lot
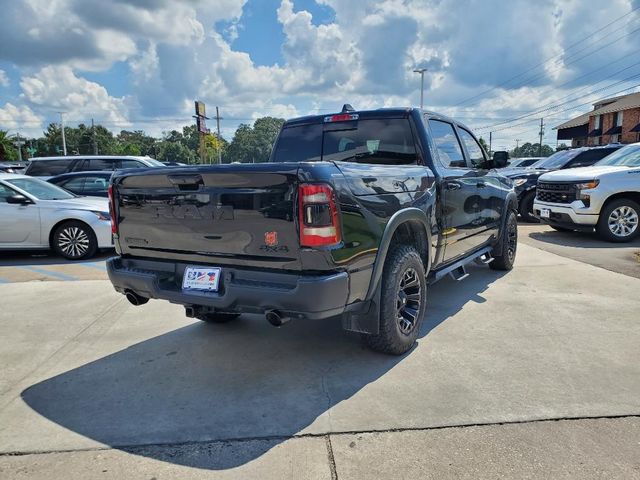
x=534 y=373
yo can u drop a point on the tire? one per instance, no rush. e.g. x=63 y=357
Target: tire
x=74 y=240
x=526 y=208
x=619 y=221
x=561 y=229
x=509 y=242
x=218 y=317
x=402 y=301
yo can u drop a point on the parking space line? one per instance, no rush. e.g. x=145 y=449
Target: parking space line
x=97 y=266
x=51 y=273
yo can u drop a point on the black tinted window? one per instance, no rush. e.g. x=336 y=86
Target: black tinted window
x=93 y=185
x=75 y=184
x=99 y=164
x=476 y=156
x=377 y=141
x=447 y=143
x=299 y=144
x=42 y=168
x=128 y=163
x=588 y=158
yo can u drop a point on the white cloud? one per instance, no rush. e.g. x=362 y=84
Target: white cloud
x=57 y=88
x=20 y=118
x=4 y=79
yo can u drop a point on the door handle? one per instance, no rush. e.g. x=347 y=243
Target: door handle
x=452 y=186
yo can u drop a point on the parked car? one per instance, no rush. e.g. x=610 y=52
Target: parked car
x=353 y=215
x=525 y=179
x=90 y=184
x=35 y=214
x=524 y=161
x=52 y=166
x=604 y=197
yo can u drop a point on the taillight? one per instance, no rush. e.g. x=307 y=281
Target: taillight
x=318 y=216
x=112 y=210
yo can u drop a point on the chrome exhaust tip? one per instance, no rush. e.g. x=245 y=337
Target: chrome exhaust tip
x=275 y=318
x=135 y=299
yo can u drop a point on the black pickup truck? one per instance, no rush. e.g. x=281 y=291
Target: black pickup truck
x=353 y=216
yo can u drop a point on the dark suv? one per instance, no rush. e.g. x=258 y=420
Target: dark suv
x=51 y=166
x=525 y=179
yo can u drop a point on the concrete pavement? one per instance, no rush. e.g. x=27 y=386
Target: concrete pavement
x=91 y=377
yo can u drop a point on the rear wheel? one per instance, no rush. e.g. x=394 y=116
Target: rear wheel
x=218 y=317
x=619 y=221
x=509 y=240
x=74 y=240
x=526 y=208
x=403 y=299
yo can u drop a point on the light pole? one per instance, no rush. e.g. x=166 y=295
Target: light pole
x=517 y=146
x=64 y=141
x=421 y=72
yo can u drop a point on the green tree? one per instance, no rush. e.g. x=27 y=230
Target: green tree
x=254 y=144
x=136 y=143
x=175 y=152
x=531 y=150
x=484 y=145
x=8 y=152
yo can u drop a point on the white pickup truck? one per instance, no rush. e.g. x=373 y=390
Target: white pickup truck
x=604 y=197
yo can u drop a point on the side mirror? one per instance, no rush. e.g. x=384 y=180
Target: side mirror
x=18 y=199
x=500 y=159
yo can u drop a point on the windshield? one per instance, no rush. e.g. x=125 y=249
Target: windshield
x=558 y=159
x=40 y=189
x=628 y=156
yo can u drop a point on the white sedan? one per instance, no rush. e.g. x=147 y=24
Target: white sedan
x=35 y=214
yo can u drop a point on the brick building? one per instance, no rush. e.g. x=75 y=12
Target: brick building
x=612 y=120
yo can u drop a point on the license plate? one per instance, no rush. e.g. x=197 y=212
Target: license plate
x=201 y=278
x=545 y=213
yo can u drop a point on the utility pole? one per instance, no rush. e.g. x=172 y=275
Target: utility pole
x=218 y=118
x=19 y=143
x=64 y=141
x=517 y=146
x=490 y=139
x=541 y=134
x=93 y=138
x=421 y=72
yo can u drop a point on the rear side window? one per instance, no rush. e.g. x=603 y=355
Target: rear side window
x=128 y=163
x=43 y=168
x=588 y=158
x=94 y=185
x=76 y=185
x=99 y=164
x=447 y=144
x=382 y=141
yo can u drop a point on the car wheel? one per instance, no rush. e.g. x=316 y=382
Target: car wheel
x=619 y=221
x=403 y=301
x=218 y=317
x=74 y=240
x=526 y=208
x=509 y=240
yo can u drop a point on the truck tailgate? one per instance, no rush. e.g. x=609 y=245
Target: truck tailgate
x=239 y=214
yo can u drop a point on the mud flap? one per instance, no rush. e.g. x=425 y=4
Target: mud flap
x=363 y=317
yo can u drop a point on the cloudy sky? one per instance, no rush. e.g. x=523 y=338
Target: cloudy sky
x=138 y=64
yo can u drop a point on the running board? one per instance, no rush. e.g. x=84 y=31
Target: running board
x=459 y=273
x=457 y=270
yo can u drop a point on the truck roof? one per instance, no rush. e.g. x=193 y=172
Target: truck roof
x=376 y=113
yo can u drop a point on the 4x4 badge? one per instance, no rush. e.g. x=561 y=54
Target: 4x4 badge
x=271 y=239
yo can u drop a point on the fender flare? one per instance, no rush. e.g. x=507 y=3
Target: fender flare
x=397 y=219
x=511 y=204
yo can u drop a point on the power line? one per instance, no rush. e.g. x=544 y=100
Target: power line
x=547 y=60
x=551 y=107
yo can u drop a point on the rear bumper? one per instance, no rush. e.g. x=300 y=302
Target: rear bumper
x=240 y=290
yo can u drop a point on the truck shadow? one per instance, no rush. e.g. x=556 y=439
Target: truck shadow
x=216 y=383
